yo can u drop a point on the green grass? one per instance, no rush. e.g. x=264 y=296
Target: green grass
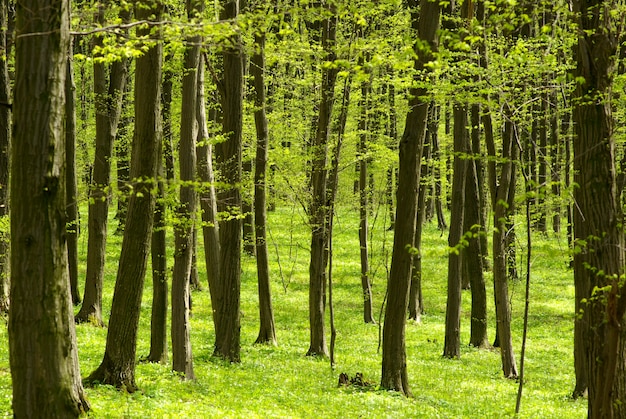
x=280 y=382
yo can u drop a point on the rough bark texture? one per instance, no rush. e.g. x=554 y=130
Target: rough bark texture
x=182 y=359
x=598 y=219
x=118 y=365
x=394 y=371
x=318 y=208
x=108 y=105
x=267 y=330
x=228 y=159
x=42 y=341
x=452 y=344
x=5 y=150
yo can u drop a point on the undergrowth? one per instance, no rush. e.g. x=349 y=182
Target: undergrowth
x=281 y=382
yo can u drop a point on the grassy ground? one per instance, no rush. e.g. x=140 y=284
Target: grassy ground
x=280 y=382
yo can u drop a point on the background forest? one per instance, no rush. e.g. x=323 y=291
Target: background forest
x=440 y=181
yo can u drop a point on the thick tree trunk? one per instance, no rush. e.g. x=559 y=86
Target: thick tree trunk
x=186 y=214
x=598 y=219
x=228 y=153
x=267 y=330
x=42 y=341
x=108 y=103
x=394 y=369
x=452 y=343
x=318 y=208
x=5 y=151
x=118 y=364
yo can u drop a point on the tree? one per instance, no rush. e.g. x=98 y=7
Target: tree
x=452 y=344
x=267 y=330
x=5 y=150
x=319 y=174
x=118 y=365
x=598 y=219
x=108 y=104
x=185 y=225
x=394 y=371
x=42 y=341
x=228 y=159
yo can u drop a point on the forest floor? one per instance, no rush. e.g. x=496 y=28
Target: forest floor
x=281 y=382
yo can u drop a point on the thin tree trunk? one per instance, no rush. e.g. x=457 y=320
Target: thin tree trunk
x=70 y=180
x=318 y=208
x=158 y=252
x=452 y=344
x=5 y=151
x=182 y=359
x=500 y=247
x=363 y=201
x=208 y=201
x=394 y=369
x=118 y=365
x=42 y=341
x=267 y=329
x=108 y=102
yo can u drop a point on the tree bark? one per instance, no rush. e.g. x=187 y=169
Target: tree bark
x=318 y=208
x=158 y=253
x=42 y=340
x=502 y=212
x=5 y=151
x=184 y=229
x=73 y=227
x=267 y=329
x=598 y=219
x=108 y=103
x=229 y=161
x=118 y=364
x=452 y=344
x=363 y=200
x=394 y=370
x=208 y=201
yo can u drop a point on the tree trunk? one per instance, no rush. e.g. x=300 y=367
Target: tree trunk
x=228 y=153
x=267 y=330
x=318 y=208
x=500 y=249
x=363 y=201
x=186 y=214
x=208 y=201
x=416 y=303
x=158 y=253
x=118 y=364
x=71 y=213
x=5 y=151
x=598 y=219
x=474 y=224
x=42 y=340
x=452 y=344
x=108 y=102
x=394 y=370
